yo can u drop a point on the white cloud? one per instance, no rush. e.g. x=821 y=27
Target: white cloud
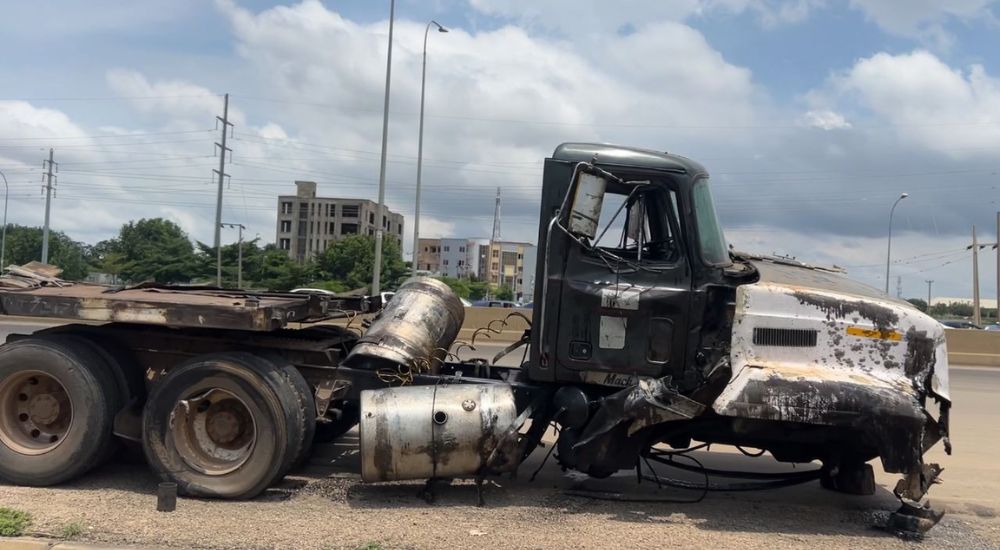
x=935 y=106
x=498 y=102
x=923 y=18
x=825 y=120
x=179 y=99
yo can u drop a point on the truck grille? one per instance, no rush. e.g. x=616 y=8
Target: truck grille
x=784 y=337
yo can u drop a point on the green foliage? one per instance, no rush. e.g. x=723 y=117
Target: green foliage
x=918 y=303
x=460 y=287
x=505 y=293
x=370 y=546
x=13 y=522
x=351 y=260
x=24 y=244
x=478 y=290
x=149 y=250
x=951 y=310
x=71 y=530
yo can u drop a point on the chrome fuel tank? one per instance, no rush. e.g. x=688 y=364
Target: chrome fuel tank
x=422 y=432
x=418 y=324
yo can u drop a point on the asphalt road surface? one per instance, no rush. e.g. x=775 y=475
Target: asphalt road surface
x=324 y=504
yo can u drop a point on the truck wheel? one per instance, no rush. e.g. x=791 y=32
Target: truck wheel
x=306 y=403
x=222 y=426
x=327 y=432
x=57 y=406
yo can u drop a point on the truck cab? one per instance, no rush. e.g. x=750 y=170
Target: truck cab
x=645 y=310
x=656 y=280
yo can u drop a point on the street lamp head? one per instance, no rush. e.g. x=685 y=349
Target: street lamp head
x=904 y=195
x=440 y=28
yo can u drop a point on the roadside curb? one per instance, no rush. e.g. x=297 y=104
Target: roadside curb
x=33 y=543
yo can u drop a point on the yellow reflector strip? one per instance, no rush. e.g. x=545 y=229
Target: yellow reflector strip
x=877 y=334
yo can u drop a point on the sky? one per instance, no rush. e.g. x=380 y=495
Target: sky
x=812 y=116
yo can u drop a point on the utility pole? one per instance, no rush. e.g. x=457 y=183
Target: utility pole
x=241 y=227
x=224 y=119
x=929 y=283
x=420 y=148
x=48 y=209
x=976 y=247
x=495 y=243
x=976 y=318
x=377 y=264
x=3 y=239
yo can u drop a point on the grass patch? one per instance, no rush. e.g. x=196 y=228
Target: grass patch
x=370 y=546
x=71 y=530
x=13 y=522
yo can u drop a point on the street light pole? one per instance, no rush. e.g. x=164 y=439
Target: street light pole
x=3 y=240
x=420 y=147
x=241 y=227
x=888 y=253
x=379 y=229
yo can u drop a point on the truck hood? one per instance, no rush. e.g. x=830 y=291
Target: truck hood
x=851 y=328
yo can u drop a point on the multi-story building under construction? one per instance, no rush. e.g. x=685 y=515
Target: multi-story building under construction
x=308 y=224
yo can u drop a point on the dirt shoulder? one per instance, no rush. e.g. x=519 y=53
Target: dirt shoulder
x=326 y=506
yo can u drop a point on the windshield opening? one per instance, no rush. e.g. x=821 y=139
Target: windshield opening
x=711 y=240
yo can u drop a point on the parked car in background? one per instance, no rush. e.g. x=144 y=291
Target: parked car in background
x=496 y=303
x=992 y=328
x=961 y=324
x=312 y=291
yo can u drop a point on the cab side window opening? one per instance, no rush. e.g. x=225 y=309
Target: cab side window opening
x=646 y=222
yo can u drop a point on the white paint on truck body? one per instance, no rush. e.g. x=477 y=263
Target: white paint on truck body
x=859 y=339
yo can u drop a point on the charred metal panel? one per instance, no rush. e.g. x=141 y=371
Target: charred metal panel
x=415 y=329
x=872 y=361
x=178 y=307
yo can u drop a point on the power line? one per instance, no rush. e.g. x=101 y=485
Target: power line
x=107 y=136
x=537 y=122
x=108 y=98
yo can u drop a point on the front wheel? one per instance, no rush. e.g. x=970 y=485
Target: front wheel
x=223 y=426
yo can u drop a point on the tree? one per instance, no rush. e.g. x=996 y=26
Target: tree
x=459 y=286
x=505 y=293
x=478 y=290
x=150 y=250
x=351 y=262
x=24 y=244
x=918 y=303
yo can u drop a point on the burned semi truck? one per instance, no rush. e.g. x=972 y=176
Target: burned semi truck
x=649 y=337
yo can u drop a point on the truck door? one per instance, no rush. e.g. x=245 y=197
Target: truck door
x=624 y=303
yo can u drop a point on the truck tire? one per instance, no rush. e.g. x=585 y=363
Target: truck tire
x=222 y=426
x=306 y=403
x=57 y=406
x=128 y=383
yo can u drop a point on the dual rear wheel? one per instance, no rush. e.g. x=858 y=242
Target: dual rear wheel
x=226 y=425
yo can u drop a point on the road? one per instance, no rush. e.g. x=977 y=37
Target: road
x=325 y=505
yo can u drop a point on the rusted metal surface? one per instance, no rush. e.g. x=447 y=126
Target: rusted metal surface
x=414 y=330
x=423 y=432
x=174 y=306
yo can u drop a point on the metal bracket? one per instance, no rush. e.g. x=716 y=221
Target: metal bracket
x=326 y=391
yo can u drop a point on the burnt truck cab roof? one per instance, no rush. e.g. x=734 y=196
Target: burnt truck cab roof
x=611 y=156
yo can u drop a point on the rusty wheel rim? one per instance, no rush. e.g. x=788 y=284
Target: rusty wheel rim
x=214 y=432
x=37 y=412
